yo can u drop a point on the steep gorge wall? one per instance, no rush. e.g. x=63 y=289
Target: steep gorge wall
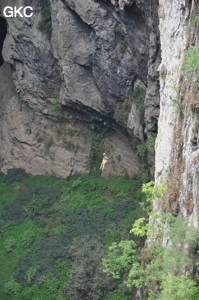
x=177 y=140
x=176 y=161
x=98 y=68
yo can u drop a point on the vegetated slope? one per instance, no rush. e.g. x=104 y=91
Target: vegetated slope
x=55 y=232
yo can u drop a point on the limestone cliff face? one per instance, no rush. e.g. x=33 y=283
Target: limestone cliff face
x=177 y=141
x=177 y=154
x=92 y=69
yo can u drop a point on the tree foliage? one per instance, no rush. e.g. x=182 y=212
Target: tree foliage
x=191 y=61
x=60 y=230
x=157 y=263
x=86 y=278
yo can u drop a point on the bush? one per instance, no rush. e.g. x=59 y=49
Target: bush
x=191 y=62
x=116 y=295
x=120 y=259
x=43 y=197
x=5 y=225
x=123 y=46
x=56 y=110
x=100 y=220
x=12 y=287
x=45 y=12
x=31 y=202
x=28 y=238
x=15 y=174
x=44 y=253
x=87 y=207
x=177 y=287
x=86 y=278
x=141 y=149
x=78 y=223
x=31 y=273
x=9 y=244
x=45 y=25
x=193 y=107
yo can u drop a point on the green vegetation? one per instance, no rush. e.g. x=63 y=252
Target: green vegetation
x=15 y=174
x=39 y=138
x=196 y=20
x=56 y=110
x=157 y=264
x=96 y=156
x=45 y=25
x=139 y=94
x=193 y=107
x=123 y=46
x=144 y=176
x=177 y=104
x=163 y=78
x=191 y=61
x=116 y=295
x=143 y=147
x=151 y=141
x=28 y=130
x=176 y=101
x=55 y=232
x=49 y=143
x=101 y=130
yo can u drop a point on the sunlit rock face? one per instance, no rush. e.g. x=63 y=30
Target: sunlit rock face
x=177 y=154
x=177 y=141
x=95 y=62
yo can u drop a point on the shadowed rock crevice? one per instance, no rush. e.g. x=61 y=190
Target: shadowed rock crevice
x=3 y=31
x=94 y=72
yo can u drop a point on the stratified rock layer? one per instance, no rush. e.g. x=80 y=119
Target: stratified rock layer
x=177 y=141
x=176 y=161
x=98 y=63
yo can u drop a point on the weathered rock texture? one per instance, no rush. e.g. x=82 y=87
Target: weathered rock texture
x=177 y=141
x=99 y=63
x=178 y=127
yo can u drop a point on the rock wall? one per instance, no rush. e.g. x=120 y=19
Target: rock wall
x=177 y=141
x=176 y=159
x=84 y=61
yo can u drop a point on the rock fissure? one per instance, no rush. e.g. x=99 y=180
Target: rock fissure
x=94 y=65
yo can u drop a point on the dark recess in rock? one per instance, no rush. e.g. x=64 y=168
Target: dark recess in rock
x=3 y=31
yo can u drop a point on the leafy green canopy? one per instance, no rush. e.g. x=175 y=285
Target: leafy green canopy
x=13 y=175
x=157 y=264
x=55 y=232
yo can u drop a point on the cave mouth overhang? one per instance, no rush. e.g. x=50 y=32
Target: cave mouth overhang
x=3 y=32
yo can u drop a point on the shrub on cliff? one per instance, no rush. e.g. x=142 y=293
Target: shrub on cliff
x=86 y=278
x=191 y=61
x=15 y=174
x=32 y=202
x=45 y=25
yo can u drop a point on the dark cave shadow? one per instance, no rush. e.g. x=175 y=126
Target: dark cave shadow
x=3 y=32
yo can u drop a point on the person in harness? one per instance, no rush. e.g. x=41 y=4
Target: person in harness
x=104 y=161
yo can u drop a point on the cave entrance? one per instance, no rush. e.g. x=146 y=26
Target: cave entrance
x=3 y=32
